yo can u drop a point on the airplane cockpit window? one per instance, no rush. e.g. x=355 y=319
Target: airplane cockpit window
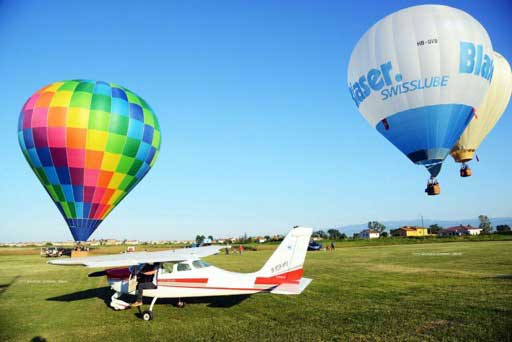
x=167 y=267
x=200 y=264
x=184 y=267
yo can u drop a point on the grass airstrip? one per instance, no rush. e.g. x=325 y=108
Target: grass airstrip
x=429 y=291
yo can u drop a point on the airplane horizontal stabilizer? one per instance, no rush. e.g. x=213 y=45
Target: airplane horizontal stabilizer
x=292 y=289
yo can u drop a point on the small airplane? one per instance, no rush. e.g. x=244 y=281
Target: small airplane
x=180 y=273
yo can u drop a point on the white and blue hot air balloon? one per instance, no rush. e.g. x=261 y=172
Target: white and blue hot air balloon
x=417 y=76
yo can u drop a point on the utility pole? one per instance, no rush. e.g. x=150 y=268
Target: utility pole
x=422 y=221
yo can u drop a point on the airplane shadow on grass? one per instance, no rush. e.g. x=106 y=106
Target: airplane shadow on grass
x=4 y=287
x=212 y=302
x=504 y=276
x=104 y=293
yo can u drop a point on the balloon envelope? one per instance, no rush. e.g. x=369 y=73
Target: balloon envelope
x=416 y=76
x=489 y=112
x=89 y=143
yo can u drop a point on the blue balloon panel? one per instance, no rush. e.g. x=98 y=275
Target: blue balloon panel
x=427 y=134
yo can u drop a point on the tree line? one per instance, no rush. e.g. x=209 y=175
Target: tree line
x=484 y=224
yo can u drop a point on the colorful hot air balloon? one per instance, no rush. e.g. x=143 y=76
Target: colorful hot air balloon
x=416 y=76
x=487 y=115
x=89 y=143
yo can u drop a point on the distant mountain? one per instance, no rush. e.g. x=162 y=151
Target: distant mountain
x=356 y=228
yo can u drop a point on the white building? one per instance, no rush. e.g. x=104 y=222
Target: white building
x=474 y=231
x=369 y=234
x=460 y=230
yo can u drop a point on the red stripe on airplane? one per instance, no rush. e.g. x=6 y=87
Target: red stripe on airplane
x=292 y=277
x=186 y=280
x=217 y=288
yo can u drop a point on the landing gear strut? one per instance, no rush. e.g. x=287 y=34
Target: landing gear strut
x=465 y=170
x=147 y=315
x=433 y=187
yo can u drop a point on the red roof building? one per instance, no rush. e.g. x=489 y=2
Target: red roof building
x=460 y=230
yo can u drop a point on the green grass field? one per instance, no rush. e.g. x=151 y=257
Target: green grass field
x=438 y=291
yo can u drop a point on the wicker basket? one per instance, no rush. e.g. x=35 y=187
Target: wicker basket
x=79 y=253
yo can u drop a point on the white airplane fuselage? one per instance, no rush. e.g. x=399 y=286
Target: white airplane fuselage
x=203 y=281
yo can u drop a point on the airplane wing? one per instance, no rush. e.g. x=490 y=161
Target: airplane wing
x=136 y=258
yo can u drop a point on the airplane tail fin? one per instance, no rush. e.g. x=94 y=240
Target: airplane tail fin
x=285 y=266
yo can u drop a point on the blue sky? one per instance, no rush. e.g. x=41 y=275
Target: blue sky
x=259 y=132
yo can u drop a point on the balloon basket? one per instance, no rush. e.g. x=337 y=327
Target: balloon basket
x=79 y=251
x=465 y=172
x=78 y=254
x=433 y=188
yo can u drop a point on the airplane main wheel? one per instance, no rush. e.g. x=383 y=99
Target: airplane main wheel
x=147 y=315
x=180 y=304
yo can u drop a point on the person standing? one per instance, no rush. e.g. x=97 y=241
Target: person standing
x=144 y=281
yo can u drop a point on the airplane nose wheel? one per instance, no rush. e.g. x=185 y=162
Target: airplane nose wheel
x=147 y=315
x=180 y=304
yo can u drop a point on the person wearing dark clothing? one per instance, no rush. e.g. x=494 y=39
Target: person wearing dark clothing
x=144 y=282
x=332 y=245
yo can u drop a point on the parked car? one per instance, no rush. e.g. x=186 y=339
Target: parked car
x=54 y=252
x=314 y=246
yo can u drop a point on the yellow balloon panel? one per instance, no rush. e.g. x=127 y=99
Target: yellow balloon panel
x=490 y=111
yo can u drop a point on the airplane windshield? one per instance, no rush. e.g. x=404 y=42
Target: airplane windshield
x=200 y=264
x=167 y=267
x=184 y=267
